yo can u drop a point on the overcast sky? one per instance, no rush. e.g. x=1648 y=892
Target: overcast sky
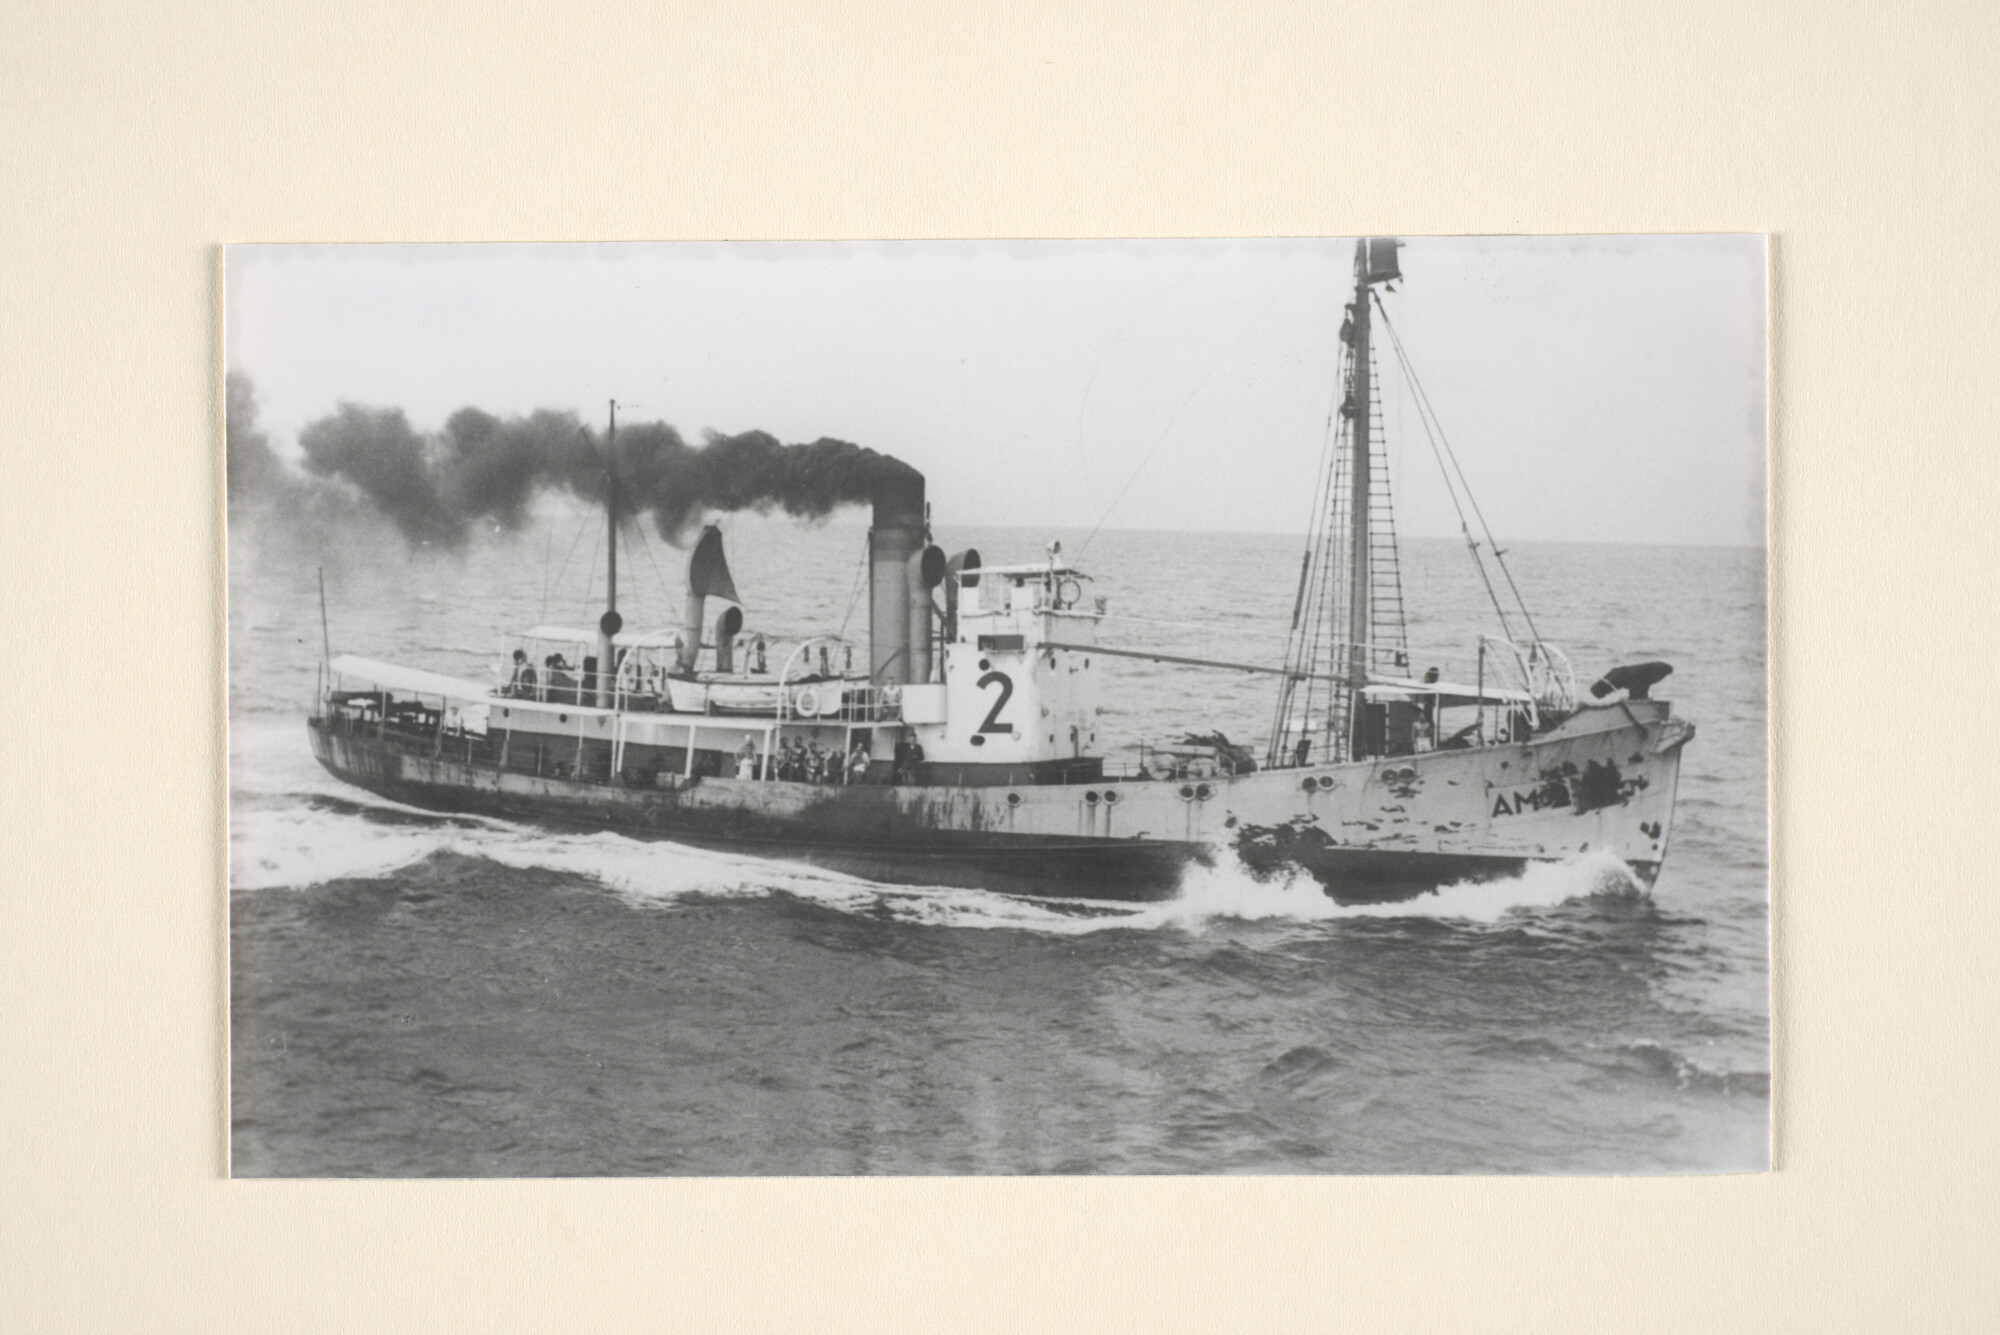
x=1595 y=388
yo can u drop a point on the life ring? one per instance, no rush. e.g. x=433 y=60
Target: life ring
x=1067 y=593
x=806 y=702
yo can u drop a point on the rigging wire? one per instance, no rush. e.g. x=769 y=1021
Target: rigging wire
x=1464 y=526
x=855 y=597
x=549 y=588
x=1083 y=404
x=1165 y=430
x=548 y=550
x=1305 y=605
x=1499 y=557
x=1334 y=633
x=590 y=580
x=646 y=543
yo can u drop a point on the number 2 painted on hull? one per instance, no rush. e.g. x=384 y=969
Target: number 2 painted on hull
x=992 y=723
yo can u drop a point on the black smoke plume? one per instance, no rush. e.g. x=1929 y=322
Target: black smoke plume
x=480 y=468
x=250 y=466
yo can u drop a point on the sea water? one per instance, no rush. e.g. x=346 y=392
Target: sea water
x=415 y=994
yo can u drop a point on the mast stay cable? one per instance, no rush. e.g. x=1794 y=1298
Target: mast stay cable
x=1427 y=415
x=646 y=543
x=1171 y=421
x=854 y=598
x=582 y=522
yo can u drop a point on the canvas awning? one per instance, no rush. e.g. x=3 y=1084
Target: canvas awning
x=643 y=639
x=1447 y=693
x=394 y=678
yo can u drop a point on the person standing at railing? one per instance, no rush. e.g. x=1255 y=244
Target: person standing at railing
x=562 y=686
x=746 y=759
x=521 y=685
x=857 y=763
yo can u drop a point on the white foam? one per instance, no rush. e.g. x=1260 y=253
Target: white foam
x=1229 y=890
x=302 y=847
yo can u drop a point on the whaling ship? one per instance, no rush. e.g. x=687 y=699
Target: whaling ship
x=960 y=745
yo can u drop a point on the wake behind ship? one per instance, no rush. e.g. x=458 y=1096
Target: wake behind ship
x=959 y=745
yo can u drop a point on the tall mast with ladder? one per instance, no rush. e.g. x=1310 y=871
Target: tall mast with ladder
x=610 y=623
x=1359 y=411
x=1349 y=604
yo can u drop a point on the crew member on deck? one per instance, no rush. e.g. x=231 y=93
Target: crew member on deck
x=857 y=764
x=522 y=684
x=746 y=760
x=562 y=686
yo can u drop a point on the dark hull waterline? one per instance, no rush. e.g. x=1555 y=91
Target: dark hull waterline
x=1041 y=865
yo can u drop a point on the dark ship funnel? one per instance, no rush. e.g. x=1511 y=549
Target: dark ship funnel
x=925 y=572
x=727 y=627
x=896 y=536
x=961 y=571
x=708 y=576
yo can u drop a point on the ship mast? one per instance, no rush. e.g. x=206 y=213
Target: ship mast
x=1349 y=607
x=1359 y=409
x=610 y=623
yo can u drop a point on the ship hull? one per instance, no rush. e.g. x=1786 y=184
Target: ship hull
x=1369 y=831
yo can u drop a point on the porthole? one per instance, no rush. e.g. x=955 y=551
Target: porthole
x=1013 y=799
x=1326 y=781
x=1091 y=798
x=1204 y=792
x=562 y=718
x=1187 y=790
x=1311 y=784
x=1109 y=798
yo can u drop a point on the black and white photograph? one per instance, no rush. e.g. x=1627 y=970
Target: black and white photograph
x=1021 y=707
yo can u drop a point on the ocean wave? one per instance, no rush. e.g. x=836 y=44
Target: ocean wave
x=1655 y=1061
